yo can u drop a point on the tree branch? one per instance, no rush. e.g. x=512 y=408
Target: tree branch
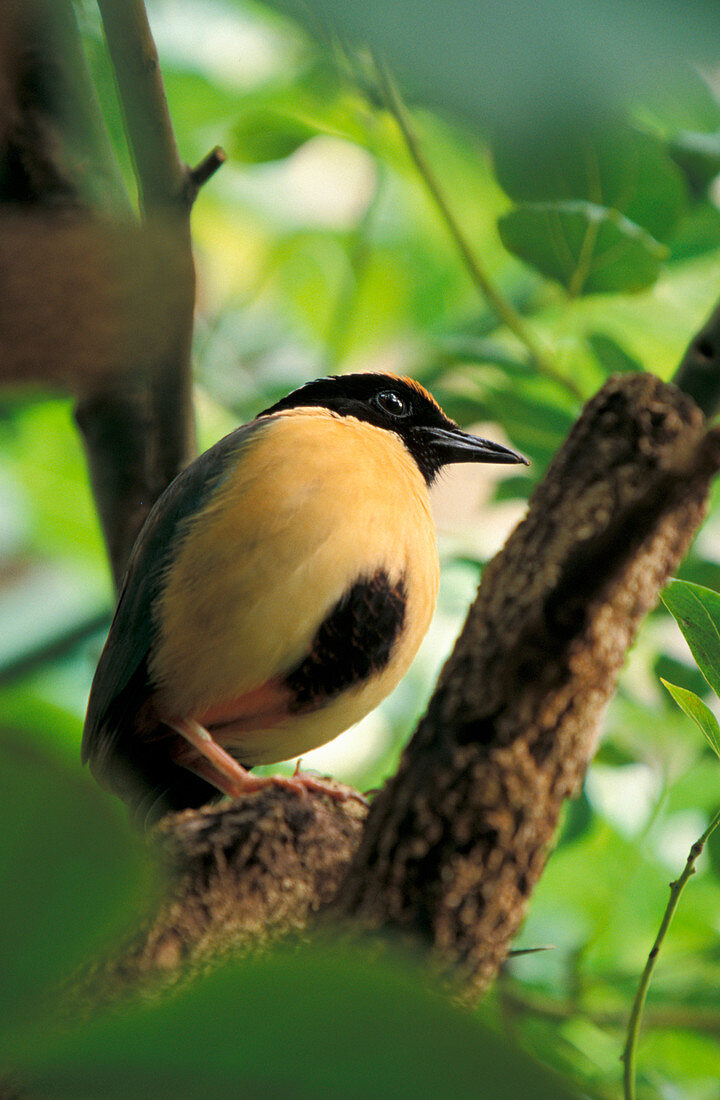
x=241 y=874
x=139 y=430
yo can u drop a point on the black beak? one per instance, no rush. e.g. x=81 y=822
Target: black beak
x=454 y=445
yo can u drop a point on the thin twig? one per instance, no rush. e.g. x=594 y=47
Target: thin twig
x=207 y=168
x=499 y=304
x=676 y=889
x=163 y=179
x=161 y=175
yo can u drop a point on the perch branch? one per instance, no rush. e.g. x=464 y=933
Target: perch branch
x=242 y=874
x=455 y=842
x=54 y=141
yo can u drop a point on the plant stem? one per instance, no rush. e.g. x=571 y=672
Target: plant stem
x=500 y=305
x=676 y=889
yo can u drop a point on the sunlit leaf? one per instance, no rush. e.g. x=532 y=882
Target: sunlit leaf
x=587 y=248
x=697 y=611
x=614 y=166
x=266 y=134
x=700 y=713
x=697 y=232
x=698 y=155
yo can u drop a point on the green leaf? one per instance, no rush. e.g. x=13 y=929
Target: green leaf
x=700 y=570
x=318 y=1020
x=696 y=234
x=576 y=821
x=536 y=427
x=614 y=166
x=699 y=157
x=685 y=674
x=697 y=611
x=700 y=713
x=71 y=873
x=587 y=248
x=200 y=108
x=275 y=122
x=611 y=355
x=265 y=135
x=516 y=487
x=697 y=109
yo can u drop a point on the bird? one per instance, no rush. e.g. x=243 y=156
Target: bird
x=277 y=592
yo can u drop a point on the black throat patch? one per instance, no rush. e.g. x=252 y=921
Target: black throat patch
x=352 y=644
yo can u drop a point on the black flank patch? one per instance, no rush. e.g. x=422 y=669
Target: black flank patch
x=352 y=644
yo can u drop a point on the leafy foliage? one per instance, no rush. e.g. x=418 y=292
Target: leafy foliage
x=697 y=611
x=700 y=713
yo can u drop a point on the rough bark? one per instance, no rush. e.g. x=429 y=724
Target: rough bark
x=243 y=875
x=455 y=842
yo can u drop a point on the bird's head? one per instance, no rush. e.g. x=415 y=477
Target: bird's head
x=404 y=407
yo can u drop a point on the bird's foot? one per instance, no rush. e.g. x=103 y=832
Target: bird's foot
x=224 y=772
x=302 y=782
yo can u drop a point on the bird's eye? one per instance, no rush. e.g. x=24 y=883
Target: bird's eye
x=391 y=403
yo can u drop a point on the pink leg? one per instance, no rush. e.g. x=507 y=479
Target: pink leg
x=232 y=779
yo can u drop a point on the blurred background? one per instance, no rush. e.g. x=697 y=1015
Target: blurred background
x=572 y=152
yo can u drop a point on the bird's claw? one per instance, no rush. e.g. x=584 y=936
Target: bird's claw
x=302 y=782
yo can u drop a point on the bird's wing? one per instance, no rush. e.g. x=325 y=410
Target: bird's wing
x=121 y=683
